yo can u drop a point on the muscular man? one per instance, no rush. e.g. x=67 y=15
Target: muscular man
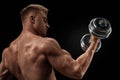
x=32 y=56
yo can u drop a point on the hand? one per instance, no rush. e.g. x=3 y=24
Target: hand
x=94 y=38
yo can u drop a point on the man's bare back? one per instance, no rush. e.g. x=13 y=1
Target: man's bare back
x=27 y=59
x=32 y=56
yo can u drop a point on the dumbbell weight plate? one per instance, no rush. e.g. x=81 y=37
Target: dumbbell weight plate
x=100 y=27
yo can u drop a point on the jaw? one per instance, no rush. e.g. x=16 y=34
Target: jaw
x=41 y=33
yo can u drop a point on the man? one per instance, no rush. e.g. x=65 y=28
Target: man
x=32 y=56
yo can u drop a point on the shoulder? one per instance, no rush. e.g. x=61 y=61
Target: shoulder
x=12 y=48
x=50 y=45
x=4 y=53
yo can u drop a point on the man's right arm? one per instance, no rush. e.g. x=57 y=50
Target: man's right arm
x=65 y=64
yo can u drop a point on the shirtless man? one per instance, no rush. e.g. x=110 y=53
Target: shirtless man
x=32 y=56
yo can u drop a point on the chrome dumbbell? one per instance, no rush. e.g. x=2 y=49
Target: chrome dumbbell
x=99 y=27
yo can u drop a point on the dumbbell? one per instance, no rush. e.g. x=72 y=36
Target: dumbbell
x=99 y=27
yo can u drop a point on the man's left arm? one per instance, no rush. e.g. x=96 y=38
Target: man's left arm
x=4 y=72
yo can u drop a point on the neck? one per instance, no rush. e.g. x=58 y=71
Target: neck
x=29 y=28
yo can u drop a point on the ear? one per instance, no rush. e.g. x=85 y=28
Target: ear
x=32 y=19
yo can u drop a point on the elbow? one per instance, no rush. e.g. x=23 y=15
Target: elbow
x=73 y=73
x=77 y=72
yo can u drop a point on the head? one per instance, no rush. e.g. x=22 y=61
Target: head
x=34 y=18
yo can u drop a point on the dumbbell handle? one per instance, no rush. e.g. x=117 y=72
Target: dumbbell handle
x=85 y=42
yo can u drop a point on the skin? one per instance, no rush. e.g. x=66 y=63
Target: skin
x=32 y=56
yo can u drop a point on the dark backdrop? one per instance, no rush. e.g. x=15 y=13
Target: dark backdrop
x=69 y=22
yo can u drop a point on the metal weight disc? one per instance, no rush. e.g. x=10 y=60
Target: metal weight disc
x=100 y=27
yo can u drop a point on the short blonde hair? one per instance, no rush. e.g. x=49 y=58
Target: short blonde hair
x=32 y=8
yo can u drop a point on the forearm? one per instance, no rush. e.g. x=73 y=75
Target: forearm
x=85 y=59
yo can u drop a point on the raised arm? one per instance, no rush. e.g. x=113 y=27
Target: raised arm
x=62 y=61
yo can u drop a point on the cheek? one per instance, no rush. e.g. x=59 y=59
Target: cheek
x=40 y=23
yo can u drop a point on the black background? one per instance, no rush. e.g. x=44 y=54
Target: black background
x=69 y=22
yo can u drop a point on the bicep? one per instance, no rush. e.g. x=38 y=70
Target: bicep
x=61 y=60
x=64 y=64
